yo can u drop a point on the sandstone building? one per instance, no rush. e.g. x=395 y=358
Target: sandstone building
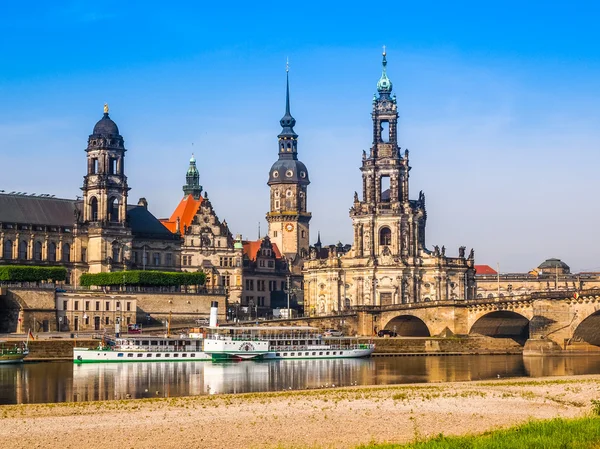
x=389 y=262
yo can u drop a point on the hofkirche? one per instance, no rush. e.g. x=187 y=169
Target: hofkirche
x=387 y=263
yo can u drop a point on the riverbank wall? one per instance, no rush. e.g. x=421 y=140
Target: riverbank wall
x=444 y=346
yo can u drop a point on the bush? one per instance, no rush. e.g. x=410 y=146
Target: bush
x=23 y=273
x=143 y=278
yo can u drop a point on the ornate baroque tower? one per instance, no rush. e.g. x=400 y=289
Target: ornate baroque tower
x=385 y=221
x=105 y=198
x=192 y=181
x=288 y=179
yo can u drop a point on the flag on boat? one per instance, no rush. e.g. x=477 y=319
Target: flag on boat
x=31 y=335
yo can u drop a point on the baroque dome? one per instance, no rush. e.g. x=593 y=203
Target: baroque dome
x=289 y=171
x=106 y=127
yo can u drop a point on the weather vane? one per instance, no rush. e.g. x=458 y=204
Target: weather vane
x=384 y=50
x=287 y=64
x=106 y=108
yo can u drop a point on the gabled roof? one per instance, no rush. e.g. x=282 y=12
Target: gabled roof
x=251 y=248
x=37 y=210
x=484 y=269
x=185 y=211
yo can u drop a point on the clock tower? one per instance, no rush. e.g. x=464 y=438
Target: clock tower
x=288 y=179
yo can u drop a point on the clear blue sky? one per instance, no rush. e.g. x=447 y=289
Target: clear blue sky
x=499 y=106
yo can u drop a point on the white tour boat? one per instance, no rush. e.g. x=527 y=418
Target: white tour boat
x=270 y=343
x=143 y=348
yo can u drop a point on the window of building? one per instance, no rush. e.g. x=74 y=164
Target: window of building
x=260 y=285
x=8 y=250
x=118 y=305
x=270 y=264
x=261 y=263
x=23 y=250
x=107 y=305
x=272 y=285
x=106 y=321
x=37 y=251
x=226 y=279
x=384 y=193
x=169 y=260
x=116 y=253
x=385 y=236
x=128 y=305
x=52 y=252
x=97 y=305
x=94 y=166
x=303 y=234
x=76 y=305
x=87 y=305
x=274 y=233
x=94 y=209
x=113 y=210
x=249 y=284
x=84 y=254
x=65 y=305
x=66 y=252
x=156 y=260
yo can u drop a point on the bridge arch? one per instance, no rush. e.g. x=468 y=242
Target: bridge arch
x=408 y=326
x=502 y=324
x=589 y=330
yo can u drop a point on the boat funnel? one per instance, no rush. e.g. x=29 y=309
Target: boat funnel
x=214 y=306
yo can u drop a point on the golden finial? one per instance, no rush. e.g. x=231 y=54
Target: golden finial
x=106 y=108
x=384 y=50
x=287 y=64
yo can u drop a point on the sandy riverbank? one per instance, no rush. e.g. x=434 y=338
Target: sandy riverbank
x=341 y=418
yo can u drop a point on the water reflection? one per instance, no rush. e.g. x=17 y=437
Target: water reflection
x=63 y=381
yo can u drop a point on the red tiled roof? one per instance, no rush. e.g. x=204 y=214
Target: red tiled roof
x=484 y=269
x=185 y=211
x=251 y=248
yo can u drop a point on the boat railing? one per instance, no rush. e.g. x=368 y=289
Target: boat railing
x=340 y=347
x=263 y=337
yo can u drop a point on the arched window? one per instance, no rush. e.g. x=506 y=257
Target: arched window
x=37 y=250
x=94 y=209
x=116 y=253
x=23 y=250
x=8 y=250
x=66 y=252
x=113 y=210
x=52 y=252
x=385 y=236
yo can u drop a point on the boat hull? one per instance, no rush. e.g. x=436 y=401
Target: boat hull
x=85 y=355
x=11 y=358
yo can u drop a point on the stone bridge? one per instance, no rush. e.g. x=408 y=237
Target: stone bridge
x=567 y=319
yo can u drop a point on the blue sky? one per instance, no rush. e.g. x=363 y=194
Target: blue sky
x=499 y=107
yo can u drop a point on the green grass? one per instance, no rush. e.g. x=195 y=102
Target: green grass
x=583 y=433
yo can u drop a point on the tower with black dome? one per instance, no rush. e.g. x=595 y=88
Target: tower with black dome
x=105 y=198
x=288 y=179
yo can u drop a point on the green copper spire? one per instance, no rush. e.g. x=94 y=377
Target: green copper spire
x=192 y=180
x=384 y=85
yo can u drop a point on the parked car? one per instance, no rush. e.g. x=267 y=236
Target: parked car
x=333 y=333
x=202 y=321
x=386 y=332
x=134 y=328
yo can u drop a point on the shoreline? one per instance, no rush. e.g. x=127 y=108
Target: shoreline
x=337 y=418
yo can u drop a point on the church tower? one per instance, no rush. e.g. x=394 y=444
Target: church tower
x=105 y=198
x=288 y=179
x=192 y=181
x=385 y=221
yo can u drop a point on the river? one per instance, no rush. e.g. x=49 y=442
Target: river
x=66 y=382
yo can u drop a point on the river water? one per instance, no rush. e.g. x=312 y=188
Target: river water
x=66 y=382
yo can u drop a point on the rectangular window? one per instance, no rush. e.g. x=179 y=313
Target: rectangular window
x=97 y=305
x=135 y=256
x=65 y=305
x=76 y=305
x=271 y=264
x=220 y=261
x=169 y=260
x=107 y=305
x=156 y=260
x=128 y=306
x=274 y=233
x=106 y=321
x=87 y=305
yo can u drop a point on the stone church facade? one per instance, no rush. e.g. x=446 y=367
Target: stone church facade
x=389 y=262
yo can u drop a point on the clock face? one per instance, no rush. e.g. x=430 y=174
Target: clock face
x=289 y=227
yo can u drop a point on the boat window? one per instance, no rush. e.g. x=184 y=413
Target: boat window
x=314 y=353
x=140 y=355
x=167 y=355
x=334 y=353
x=327 y=353
x=148 y=355
x=153 y=343
x=157 y=355
x=183 y=355
x=120 y=354
x=175 y=355
x=278 y=354
x=144 y=342
x=129 y=355
x=320 y=353
x=192 y=355
x=306 y=353
x=285 y=354
x=295 y=343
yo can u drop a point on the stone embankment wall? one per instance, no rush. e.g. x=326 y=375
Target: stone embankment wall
x=453 y=345
x=184 y=309
x=345 y=323
x=57 y=349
